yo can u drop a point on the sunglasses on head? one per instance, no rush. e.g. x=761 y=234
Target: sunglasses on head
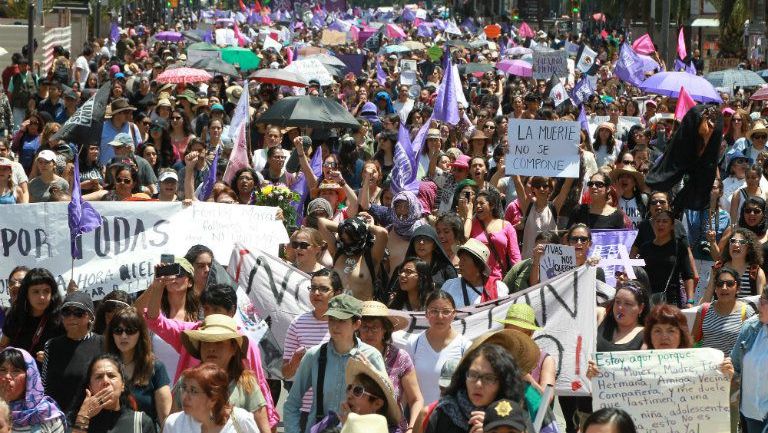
x=69 y=312
x=119 y=330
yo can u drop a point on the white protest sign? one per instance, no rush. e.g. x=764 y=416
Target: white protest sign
x=333 y=37
x=612 y=247
x=225 y=37
x=543 y=148
x=121 y=254
x=276 y=289
x=271 y=43
x=548 y=63
x=556 y=260
x=309 y=69
x=408 y=78
x=671 y=391
x=407 y=65
x=193 y=56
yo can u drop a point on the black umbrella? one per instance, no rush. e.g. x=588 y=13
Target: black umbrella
x=216 y=66
x=310 y=112
x=192 y=36
x=471 y=68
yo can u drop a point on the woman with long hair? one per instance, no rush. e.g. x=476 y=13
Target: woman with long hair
x=128 y=338
x=10 y=193
x=219 y=342
x=104 y=403
x=740 y=124
x=605 y=145
x=125 y=183
x=385 y=153
x=206 y=406
x=485 y=223
x=752 y=188
x=115 y=301
x=178 y=300
x=306 y=250
x=450 y=232
x=599 y=213
x=33 y=318
x=245 y=183
x=201 y=259
x=160 y=139
x=630 y=185
x=92 y=171
x=414 y=284
x=744 y=254
x=180 y=131
x=26 y=141
x=736 y=170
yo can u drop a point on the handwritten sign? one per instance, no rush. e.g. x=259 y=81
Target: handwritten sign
x=671 y=391
x=333 y=37
x=407 y=65
x=557 y=259
x=548 y=63
x=122 y=253
x=543 y=148
x=309 y=69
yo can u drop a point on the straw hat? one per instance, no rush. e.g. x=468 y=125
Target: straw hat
x=520 y=346
x=377 y=309
x=373 y=423
x=329 y=184
x=478 y=250
x=522 y=316
x=758 y=127
x=215 y=328
x=616 y=173
x=356 y=366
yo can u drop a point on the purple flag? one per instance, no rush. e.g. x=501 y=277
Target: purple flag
x=424 y=31
x=613 y=245
x=583 y=119
x=406 y=159
x=114 y=32
x=381 y=76
x=446 y=104
x=581 y=91
x=300 y=186
x=207 y=186
x=629 y=68
x=684 y=67
x=83 y=218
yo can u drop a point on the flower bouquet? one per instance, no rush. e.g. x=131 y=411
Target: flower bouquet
x=281 y=197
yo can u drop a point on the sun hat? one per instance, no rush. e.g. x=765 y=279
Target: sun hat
x=520 y=346
x=446 y=372
x=233 y=93
x=377 y=309
x=507 y=413
x=215 y=328
x=434 y=133
x=758 y=127
x=332 y=185
x=121 y=139
x=79 y=300
x=201 y=103
x=189 y=96
x=616 y=173
x=356 y=367
x=462 y=161
x=344 y=307
x=520 y=315
x=164 y=102
x=47 y=155
x=478 y=250
x=373 y=423
x=119 y=105
x=478 y=135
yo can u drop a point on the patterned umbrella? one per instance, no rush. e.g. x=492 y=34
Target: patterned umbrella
x=394 y=31
x=279 y=77
x=760 y=95
x=184 y=75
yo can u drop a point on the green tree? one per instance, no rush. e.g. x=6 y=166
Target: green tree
x=733 y=14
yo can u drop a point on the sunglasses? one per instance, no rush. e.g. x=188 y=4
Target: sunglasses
x=759 y=137
x=319 y=289
x=728 y=283
x=738 y=241
x=578 y=239
x=655 y=202
x=127 y=331
x=595 y=184
x=300 y=245
x=628 y=162
x=174 y=118
x=123 y=181
x=753 y=211
x=329 y=164
x=69 y=312
x=359 y=390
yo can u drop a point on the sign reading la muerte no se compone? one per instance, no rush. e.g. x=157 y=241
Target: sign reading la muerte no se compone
x=543 y=148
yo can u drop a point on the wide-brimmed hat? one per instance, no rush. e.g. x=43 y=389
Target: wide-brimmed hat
x=377 y=309
x=189 y=96
x=434 y=133
x=478 y=135
x=201 y=103
x=164 y=102
x=616 y=173
x=758 y=127
x=233 y=93
x=478 y=250
x=373 y=423
x=520 y=346
x=356 y=367
x=330 y=184
x=522 y=316
x=119 y=105
x=215 y=328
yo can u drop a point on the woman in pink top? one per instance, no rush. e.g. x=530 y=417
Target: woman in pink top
x=181 y=131
x=485 y=223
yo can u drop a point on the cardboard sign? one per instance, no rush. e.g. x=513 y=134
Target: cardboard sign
x=674 y=391
x=547 y=63
x=557 y=259
x=333 y=37
x=193 y=56
x=543 y=148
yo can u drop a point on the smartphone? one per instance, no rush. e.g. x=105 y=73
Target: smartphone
x=466 y=195
x=169 y=270
x=167 y=258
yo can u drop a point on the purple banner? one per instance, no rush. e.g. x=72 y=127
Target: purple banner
x=613 y=247
x=354 y=62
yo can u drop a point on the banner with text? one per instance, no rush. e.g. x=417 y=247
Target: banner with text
x=548 y=63
x=122 y=253
x=613 y=247
x=671 y=391
x=543 y=148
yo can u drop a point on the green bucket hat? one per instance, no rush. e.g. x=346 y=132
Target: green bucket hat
x=522 y=316
x=344 y=307
x=189 y=96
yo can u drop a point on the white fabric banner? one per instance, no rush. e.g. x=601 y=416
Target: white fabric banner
x=122 y=253
x=675 y=391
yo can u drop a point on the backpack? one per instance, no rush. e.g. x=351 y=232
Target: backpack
x=551 y=207
x=61 y=71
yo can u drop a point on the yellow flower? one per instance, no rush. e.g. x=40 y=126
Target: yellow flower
x=267 y=190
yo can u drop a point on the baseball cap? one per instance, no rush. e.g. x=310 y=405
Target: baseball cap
x=216 y=107
x=121 y=139
x=79 y=300
x=344 y=307
x=446 y=373
x=119 y=75
x=69 y=93
x=166 y=175
x=507 y=413
x=47 y=155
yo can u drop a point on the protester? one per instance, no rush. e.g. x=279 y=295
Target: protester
x=369 y=391
x=749 y=364
x=477 y=283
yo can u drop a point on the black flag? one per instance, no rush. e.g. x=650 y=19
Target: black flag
x=84 y=127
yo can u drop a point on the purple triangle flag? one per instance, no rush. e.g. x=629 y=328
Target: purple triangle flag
x=206 y=188
x=581 y=91
x=446 y=104
x=82 y=217
x=300 y=186
x=583 y=119
x=406 y=159
x=381 y=76
x=629 y=68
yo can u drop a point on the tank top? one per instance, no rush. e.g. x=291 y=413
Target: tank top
x=535 y=223
x=604 y=343
x=8 y=198
x=721 y=332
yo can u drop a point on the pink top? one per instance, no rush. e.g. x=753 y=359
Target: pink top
x=170 y=331
x=505 y=243
x=513 y=213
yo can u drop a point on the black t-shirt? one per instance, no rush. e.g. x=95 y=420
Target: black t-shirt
x=66 y=365
x=666 y=265
x=645 y=233
x=22 y=334
x=582 y=215
x=120 y=422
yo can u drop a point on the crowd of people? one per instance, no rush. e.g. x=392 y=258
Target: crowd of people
x=173 y=357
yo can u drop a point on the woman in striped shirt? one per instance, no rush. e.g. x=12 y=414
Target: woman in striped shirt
x=742 y=253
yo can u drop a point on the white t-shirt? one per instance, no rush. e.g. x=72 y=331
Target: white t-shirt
x=730 y=185
x=180 y=422
x=428 y=363
x=454 y=288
